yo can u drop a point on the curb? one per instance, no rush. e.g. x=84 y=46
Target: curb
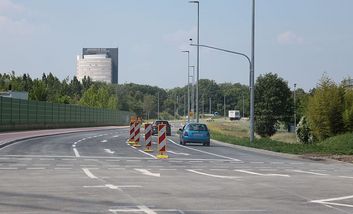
x=275 y=154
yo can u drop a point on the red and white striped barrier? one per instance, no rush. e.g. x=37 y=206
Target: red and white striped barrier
x=137 y=135
x=132 y=133
x=162 y=141
x=148 y=137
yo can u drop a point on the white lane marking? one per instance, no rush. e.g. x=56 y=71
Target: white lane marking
x=64 y=165
x=178 y=153
x=212 y=175
x=260 y=174
x=69 y=159
x=115 y=136
x=35 y=168
x=146 y=172
x=140 y=209
x=209 y=153
x=346 y=177
x=154 y=157
x=167 y=169
x=328 y=201
x=74 y=146
x=116 y=168
x=63 y=168
x=109 y=151
x=89 y=173
x=8 y=168
x=76 y=152
x=308 y=172
x=112 y=160
x=104 y=141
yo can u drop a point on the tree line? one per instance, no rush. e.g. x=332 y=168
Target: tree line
x=324 y=111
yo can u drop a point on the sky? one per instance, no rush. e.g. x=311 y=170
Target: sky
x=300 y=40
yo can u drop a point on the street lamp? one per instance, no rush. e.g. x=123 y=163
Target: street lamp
x=188 y=52
x=198 y=59
x=251 y=63
x=295 y=115
x=251 y=67
x=192 y=91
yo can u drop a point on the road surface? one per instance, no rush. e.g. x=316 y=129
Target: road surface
x=98 y=172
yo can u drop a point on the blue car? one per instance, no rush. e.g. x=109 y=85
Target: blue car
x=195 y=133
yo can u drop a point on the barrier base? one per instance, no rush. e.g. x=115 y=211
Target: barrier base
x=162 y=156
x=136 y=145
x=148 y=150
x=131 y=142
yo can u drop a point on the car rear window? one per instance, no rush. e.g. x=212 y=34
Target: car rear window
x=162 y=122
x=198 y=127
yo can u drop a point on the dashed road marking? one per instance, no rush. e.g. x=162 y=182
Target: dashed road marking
x=104 y=141
x=260 y=174
x=35 y=168
x=89 y=173
x=211 y=175
x=146 y=172
x=76 y=152
x=308 y=172
x=209 y=153
x=61 y=168
x=109 y=151
x=154 y=157
x=328 y=201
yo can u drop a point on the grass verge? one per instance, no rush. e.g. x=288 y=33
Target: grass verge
x=338 y=145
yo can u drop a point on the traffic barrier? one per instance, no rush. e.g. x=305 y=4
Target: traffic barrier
x=137 y=135
x=148 y=137
x=162 y=141
x=132 y=133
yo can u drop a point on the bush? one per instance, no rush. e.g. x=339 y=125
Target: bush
x=303 y=132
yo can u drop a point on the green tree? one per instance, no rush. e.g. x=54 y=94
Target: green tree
x=325 y=109
x=148 y=104
x=348 y=110
x=273 y=103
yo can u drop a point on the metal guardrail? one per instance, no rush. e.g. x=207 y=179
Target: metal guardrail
x=25 y=114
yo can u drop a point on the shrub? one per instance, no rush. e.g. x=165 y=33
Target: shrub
x=303 y=132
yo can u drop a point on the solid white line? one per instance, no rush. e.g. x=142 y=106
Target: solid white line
x=333 y=199
x=76 y=152
x=211 y=175
x=146 y=172
x=260 y=174
x=209 y=153
x=154 y=157
x=307 y=172
x=88 y=173
x=346 y=177
x=104 y=141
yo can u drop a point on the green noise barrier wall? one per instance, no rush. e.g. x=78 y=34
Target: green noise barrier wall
x=16 y=114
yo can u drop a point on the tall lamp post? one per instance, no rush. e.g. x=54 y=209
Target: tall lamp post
x=251 y=63
x=198 y=59
x=188 y=52
x=193 y=92
x=251 y=83
x=295 y=114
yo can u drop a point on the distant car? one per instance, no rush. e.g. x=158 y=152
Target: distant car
x=195 y=133
x=155 y=127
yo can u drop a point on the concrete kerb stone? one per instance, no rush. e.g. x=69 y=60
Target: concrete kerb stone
x=270 y=153
x=9 y=141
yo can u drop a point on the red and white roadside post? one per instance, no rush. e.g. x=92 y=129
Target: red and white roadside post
x=132 y=133
x=137 y=133
x=162 y=141
x=148 y=137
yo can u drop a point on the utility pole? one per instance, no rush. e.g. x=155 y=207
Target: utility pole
x=295 y=114
x=158 y=106
x=224 y=106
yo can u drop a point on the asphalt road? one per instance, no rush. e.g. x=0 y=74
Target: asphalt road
x=98 y=172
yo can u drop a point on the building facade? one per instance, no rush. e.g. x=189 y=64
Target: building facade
x=100 y=64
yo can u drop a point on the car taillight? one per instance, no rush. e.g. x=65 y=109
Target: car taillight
x=186 y=134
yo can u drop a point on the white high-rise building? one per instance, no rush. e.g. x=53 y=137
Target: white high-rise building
x=96 y=66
